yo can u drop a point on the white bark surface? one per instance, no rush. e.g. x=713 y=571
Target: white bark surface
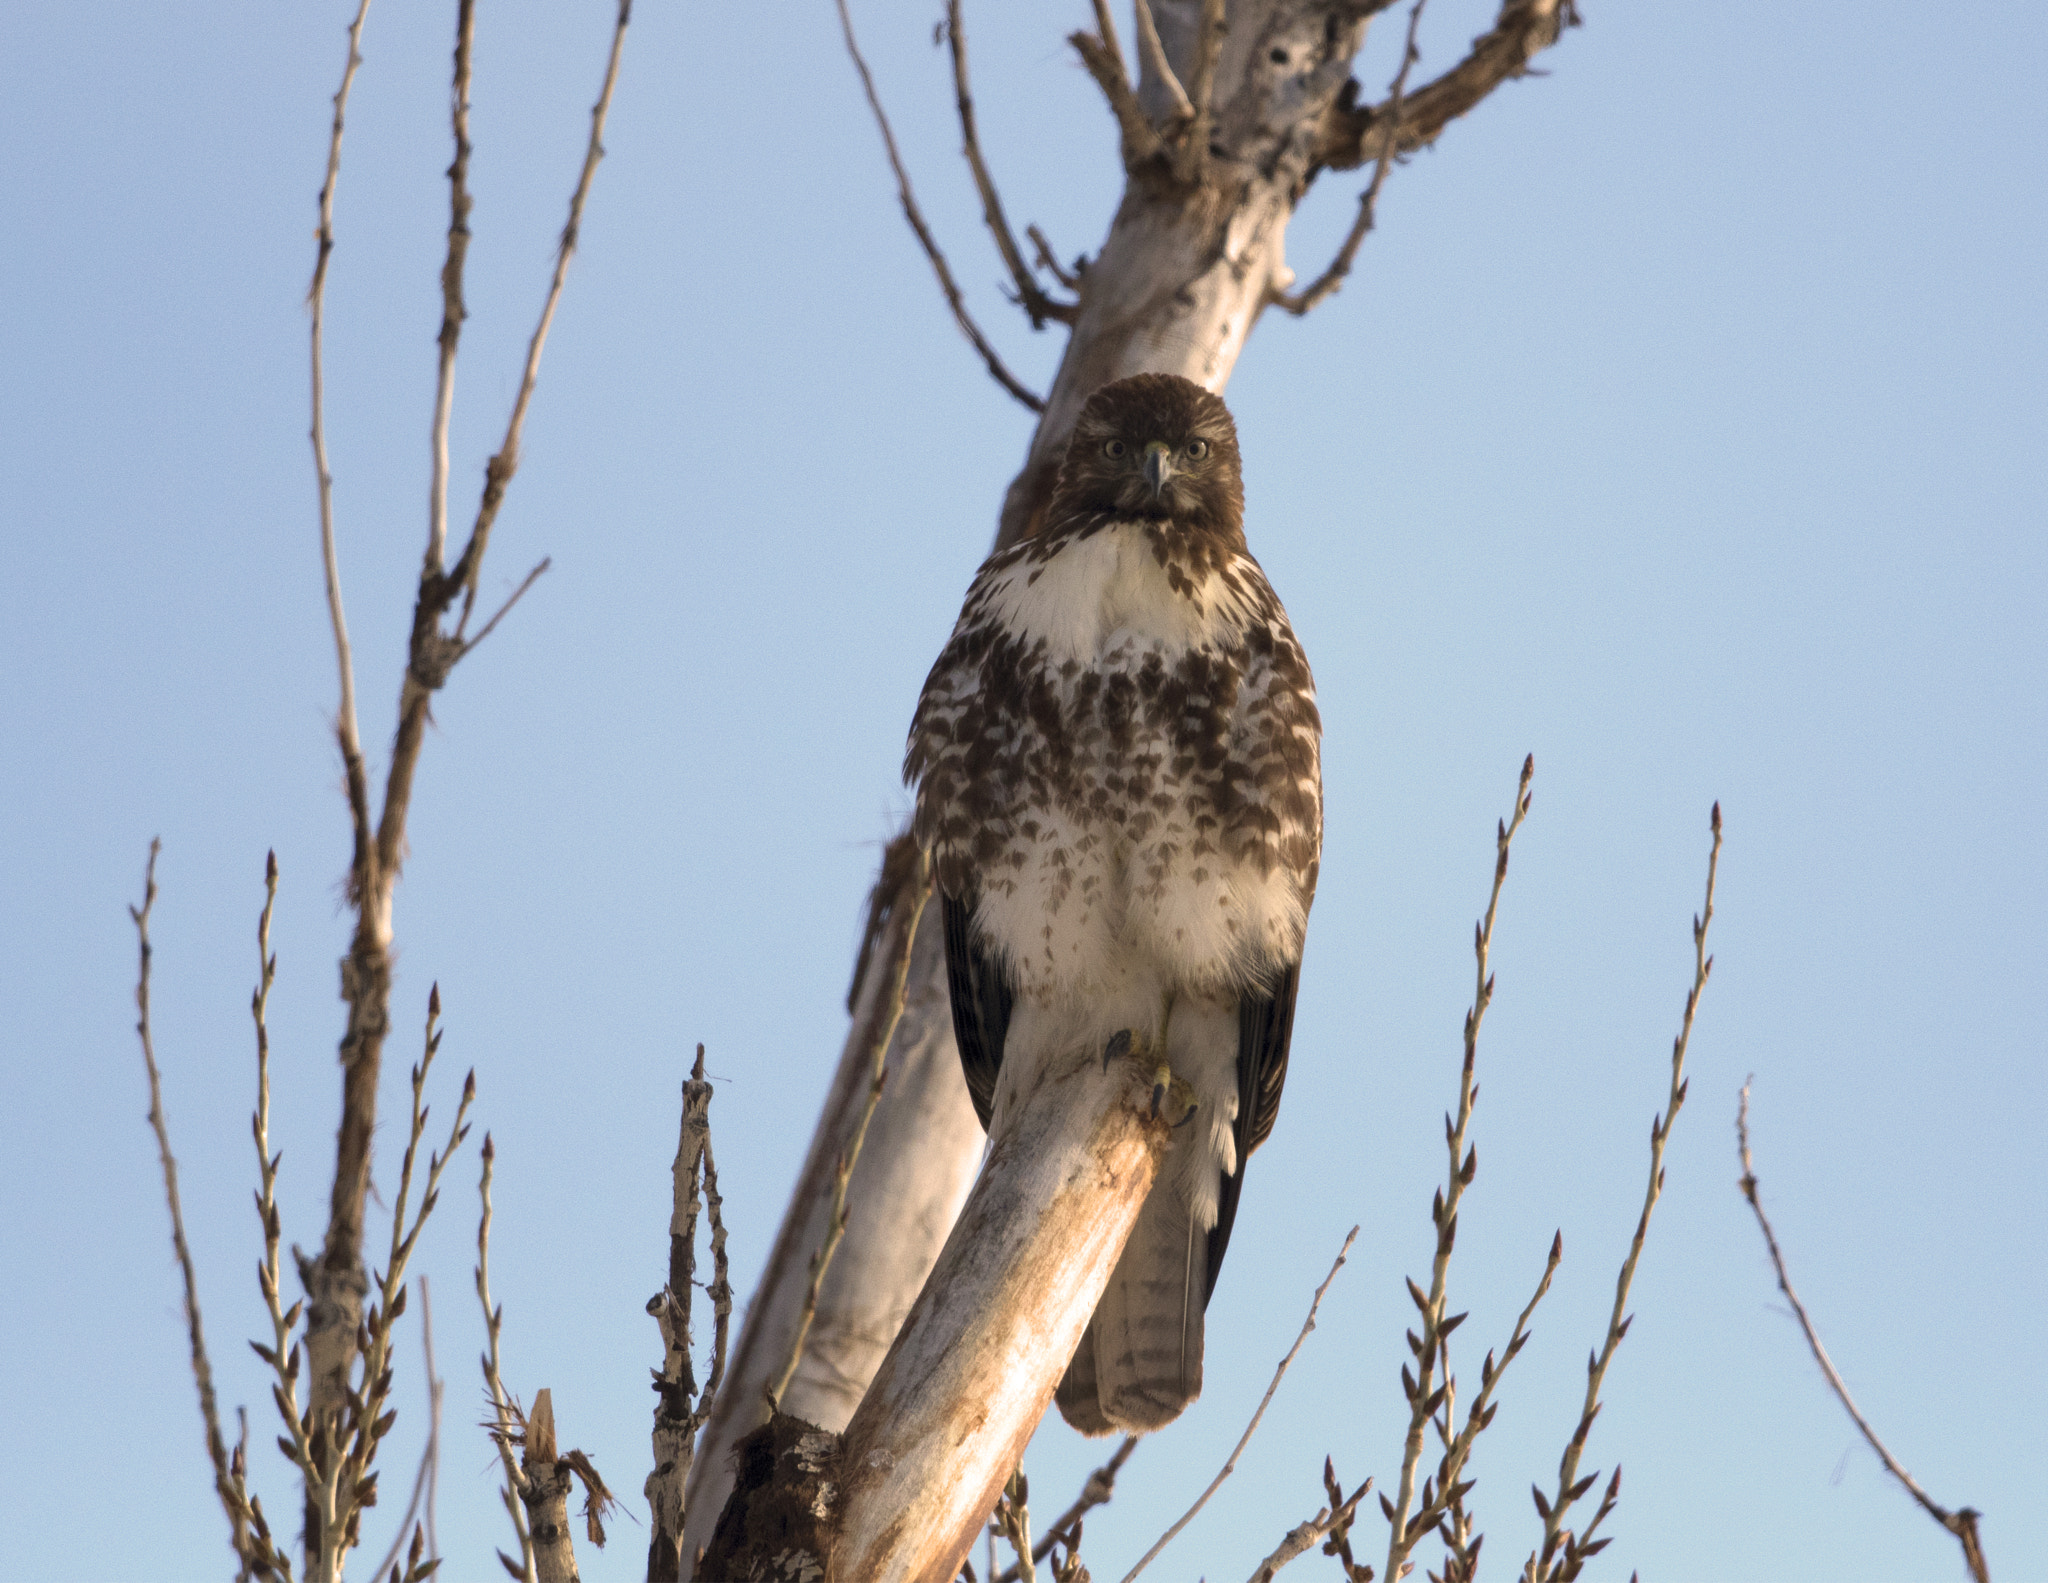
x=973 y=1368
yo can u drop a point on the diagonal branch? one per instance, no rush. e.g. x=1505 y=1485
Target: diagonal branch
x=1036 y=303
x=1326 y=284
x=915 y=216
x=1251 y=1428
x=1142 y=148
x=1154 y=55
x=1194 y=151
x=1523 y=30
x=1963 y=1523
x=499 y=470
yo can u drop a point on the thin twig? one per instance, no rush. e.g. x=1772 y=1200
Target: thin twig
x=507 y=1418
x=282 y=1354
x=1326 y=284
x=1265 y=1401
x=1201 y=94
x=1037 y=305
x=1096 y=1492
x=904 y=916
x=202 y=1368
x=452 y=310
x=316 y=296
x=1962 y=1524
x=1564 y=1552
x=1049 y=261
x=1447 y=1499
x=915 y=216
x=490 y=626
x=1423 y=1401
x=1013 y=1518
x=1153 y=53
x=499 y=470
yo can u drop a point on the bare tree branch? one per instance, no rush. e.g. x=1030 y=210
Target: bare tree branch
x=1201 y=93
x=1523 y=30
x=506 y=1418
x=1326 y=284
x=505 y=609
x=202 y=1368
x=1402 y=1531
x=1564 y=1552
x=499 y=470
x=1049 y=261
x=1037 y=305
x=681 y=1410
x=1000 y=374
x=903 y=924
x=316 y=296
x=1154 y=54
x=1142 y=146
x=1230 y=1466
x=1962 y=1524
x=452 y=310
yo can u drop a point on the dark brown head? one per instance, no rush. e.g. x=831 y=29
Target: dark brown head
x=1153 y=446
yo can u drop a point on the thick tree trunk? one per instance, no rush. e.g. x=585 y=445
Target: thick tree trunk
x=1195 y=253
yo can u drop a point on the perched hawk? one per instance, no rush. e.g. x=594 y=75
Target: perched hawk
x=1118 y=768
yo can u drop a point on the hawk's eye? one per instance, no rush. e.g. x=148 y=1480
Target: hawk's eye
x=1197 y=449
x=1114 y=449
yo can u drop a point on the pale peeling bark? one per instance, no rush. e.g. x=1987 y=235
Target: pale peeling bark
x=973 y=1368
x=1179 y=282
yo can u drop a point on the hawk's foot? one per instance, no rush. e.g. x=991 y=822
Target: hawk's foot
x=1173 y=1096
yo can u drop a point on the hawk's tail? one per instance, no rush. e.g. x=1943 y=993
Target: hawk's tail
x=1140 y=1359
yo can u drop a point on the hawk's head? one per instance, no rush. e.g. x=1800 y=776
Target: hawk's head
x=1154 y=445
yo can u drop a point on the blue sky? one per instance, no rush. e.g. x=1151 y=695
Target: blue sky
x=1682 y=425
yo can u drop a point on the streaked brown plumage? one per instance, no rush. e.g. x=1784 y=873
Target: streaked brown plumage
x=1117 y=760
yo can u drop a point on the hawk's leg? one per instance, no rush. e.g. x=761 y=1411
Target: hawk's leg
x=1162 y=1075
x=1171 y=1093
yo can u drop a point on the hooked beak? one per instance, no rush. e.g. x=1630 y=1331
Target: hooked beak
x=1158 y=466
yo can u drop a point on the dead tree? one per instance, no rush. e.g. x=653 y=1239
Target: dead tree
x=1235 y=111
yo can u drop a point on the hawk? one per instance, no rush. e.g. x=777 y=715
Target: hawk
x=1118 y=768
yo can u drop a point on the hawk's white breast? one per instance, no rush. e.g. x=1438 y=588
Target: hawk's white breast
x=1117 y=879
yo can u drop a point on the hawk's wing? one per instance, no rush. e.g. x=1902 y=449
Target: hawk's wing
x=1265 y=1025
x=981 y=998
x=1277 y=737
